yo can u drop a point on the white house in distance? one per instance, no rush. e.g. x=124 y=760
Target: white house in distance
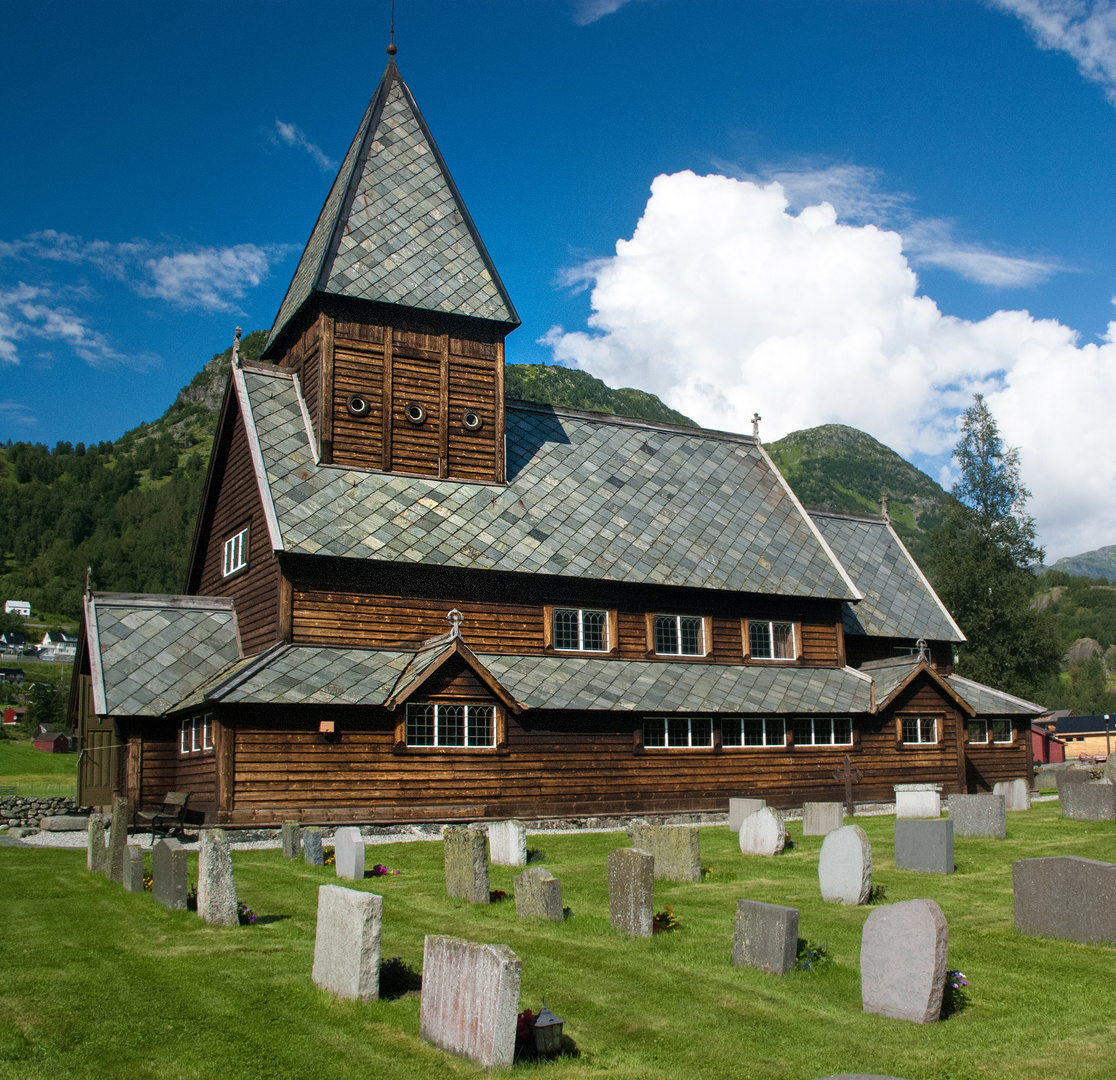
x=57 y=646
x=20 y=607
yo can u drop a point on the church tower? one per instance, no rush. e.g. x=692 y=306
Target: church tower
x=395 y=319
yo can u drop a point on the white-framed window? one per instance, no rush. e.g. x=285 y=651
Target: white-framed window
x=823 y=731
x=679 y=635
x=920 y=729
x=771 y=640
x=196 y=734
x=451 y=725
x=978 y=731
x=754 y=731
x=580 y=630
x=1001 y=731
x=236 y=553
x=677 y=732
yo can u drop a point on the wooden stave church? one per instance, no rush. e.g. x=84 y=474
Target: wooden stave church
x=381 y=535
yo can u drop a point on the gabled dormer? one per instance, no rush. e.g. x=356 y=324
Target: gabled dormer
x=395 y=319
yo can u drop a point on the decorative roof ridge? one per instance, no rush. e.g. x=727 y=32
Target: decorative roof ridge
x=159 y=600
x=256 y=663
x=841 y=515
x=1011 y=697
x=518 y=405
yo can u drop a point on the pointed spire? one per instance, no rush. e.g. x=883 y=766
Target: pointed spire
x=394 y=228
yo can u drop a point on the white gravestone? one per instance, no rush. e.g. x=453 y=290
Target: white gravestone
x=507 y=843
x=348 y=853
x=216 y=885
x=763 y=833
x=903 y=952
x=1016 y=793
x=845 y=866
x=918 y=800
x=347 y=943
x=739 y=809
x=821 y=818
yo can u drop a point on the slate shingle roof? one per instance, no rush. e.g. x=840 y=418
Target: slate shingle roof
x=394 y=227
x=587 y=497
x=898 y=600
x=987 y=701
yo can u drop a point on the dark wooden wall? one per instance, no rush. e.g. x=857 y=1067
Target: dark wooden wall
x=163 y=768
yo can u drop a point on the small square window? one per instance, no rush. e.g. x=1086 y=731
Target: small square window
x=451 y=725
x=922 y=729
x=771 y=640
x=770 y=731
x=236 y=553
x=1001 y=731
x=732 y=732
x=823 y=731
x=978 y=731
x=580 y=630
x=679 y=635
x=677 y=732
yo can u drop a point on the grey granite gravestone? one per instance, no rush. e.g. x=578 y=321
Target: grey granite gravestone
x=1110 y=768
x=631 y=891
x=348 y=853
x=1066 y=897
x=1089 y=802
x=507 y=841
x=821 y=818
x=347 y=943
x=95 y=857
x=1016 y=793
x=538 y=895
x=291 y=835
x=739 y=809
x=312 y=851
x=926 y=846
x=168 y=874
x=466 y=860
x=903 y=953
x=766 y=937
x=133 y=868
x=216 y=884
x=470 y=999
x=918 y=800
x=845 y=866
x=677 y=850
x=763 y=833
x=118 y=841
x=1064 y=777
x=978 y=815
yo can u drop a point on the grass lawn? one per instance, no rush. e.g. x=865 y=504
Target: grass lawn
x=38 y=670
x=35 y=772
x=101 y=983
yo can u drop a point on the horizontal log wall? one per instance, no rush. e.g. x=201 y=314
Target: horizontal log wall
x=164 y=769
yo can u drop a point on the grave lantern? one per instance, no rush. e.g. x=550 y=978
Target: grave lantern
x=548 y=1032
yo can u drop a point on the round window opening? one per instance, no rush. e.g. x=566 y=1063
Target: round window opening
x=416 y=413
x=357 y=405
x=471 y=420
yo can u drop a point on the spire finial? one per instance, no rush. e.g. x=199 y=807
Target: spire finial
x=883 y=505
x=236 y=348
x=756 y=418
x=391 y=49
x=88 y=577
x=456 y=619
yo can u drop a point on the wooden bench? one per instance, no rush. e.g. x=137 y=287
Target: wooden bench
x=165 y=820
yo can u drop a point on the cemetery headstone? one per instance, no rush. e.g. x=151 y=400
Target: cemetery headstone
x=133 y=868
x=763 y=833
x=348 y=853
x=347 y=943
x=821 y=818
x=118 y=841
x=291 y=835
x=1064 y=777
x=926 y=846
x=216 y=884
x=1110 y=768
x=903 y=953
x=631 y=891
x=766 y=937
x=1089 y=802
x=739 y=809
x=466 y=859
x=1066 y=897
x=312 y=850
x=1016 y=793
x=508 y=843
x=538 y=895
x=845 y=866
x=848 y=775
x=918 y=800
x=677 y=850
x=95 y=857
x=168 y=874
x=470 y=999
x=978 y=815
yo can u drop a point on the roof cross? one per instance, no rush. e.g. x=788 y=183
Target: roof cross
x=456 y=619
x=923 y=651
x=756 y=418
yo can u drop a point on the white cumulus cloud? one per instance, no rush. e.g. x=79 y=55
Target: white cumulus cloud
x=292 y=135
x=209 y=278
x=725 y=302
x=589 y=11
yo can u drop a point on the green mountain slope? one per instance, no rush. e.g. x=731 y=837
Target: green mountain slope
x=1092 y=564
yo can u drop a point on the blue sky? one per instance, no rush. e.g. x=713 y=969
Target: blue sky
x=164 y=164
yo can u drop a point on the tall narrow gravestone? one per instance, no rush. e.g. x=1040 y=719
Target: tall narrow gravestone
x=312 y=847
x=118 y=841
x=926 y=846
x=677 y=850
x=168 y=874
x=216 y=885
x=1065 y=897
x=1016 y=793
x=903 y=953
x=348 y=853
x=763 y=833
x=466 y=859
x=508 y=843
x=631 y=891
x=347 y=943
x=291 y=835
x=95 y=857
x=978 y=815
x=739 y=809
x=133 y=868
x=538 y=895
x=766 y=937
x=845 y=866
x=470 y=999
x=821 y=818
x=1089 y=802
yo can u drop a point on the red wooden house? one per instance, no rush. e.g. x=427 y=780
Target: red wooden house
x=409 y=600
